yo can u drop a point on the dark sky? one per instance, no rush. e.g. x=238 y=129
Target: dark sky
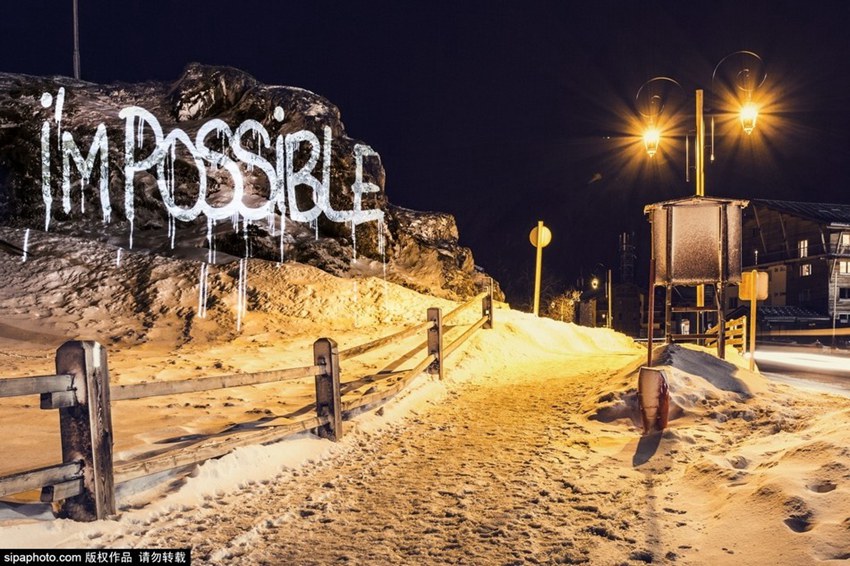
x=504 y=113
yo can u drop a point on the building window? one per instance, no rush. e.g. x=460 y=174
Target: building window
x=844 y=292
x=844 y=267
x=805 y=270
x=844 y=318
x=804 y=296
x=845 y=240
x=803 y=248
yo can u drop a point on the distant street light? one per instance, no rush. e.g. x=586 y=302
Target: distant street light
x=594 y=284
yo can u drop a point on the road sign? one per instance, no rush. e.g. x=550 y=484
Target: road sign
x=753 y=285
x=545 y=237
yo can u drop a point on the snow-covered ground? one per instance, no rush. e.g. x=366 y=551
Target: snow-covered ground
x=529 y=451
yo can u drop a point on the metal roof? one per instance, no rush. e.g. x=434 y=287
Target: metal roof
x=827 y=213
x=694 y=201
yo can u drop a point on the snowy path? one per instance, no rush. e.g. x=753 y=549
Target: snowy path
x=493 y=474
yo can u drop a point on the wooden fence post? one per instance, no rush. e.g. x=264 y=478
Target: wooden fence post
x=487 y=307
x=86 y=428
x=435 y=341
x=328 y=396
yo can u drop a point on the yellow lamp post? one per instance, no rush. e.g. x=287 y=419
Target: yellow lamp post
x=540 y=237
x=651 y=96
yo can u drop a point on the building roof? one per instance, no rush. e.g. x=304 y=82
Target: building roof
x=827 y=213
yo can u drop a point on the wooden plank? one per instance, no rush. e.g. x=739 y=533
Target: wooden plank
x=465 y=336
x=60 y=491
x=435 y=341
x=326 y=355
x=694 y=309
x=58 y=400
x=459 y=309
x=212 y=448
x=157 y=389
x=692 y=336
x=375 y=344
x=86 y=430
x=390 y=391
x=35 y=479
x=18 y=386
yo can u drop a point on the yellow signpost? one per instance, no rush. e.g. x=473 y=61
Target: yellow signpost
x=540 y=237
x=754 y=287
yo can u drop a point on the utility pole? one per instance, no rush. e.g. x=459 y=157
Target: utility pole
x=76 y=43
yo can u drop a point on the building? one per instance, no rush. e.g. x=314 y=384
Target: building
x=805 y=248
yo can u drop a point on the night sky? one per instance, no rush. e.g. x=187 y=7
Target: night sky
x=504 y=113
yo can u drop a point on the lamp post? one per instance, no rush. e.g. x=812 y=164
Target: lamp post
x=76 y=43
x=652 y=98
x=594 y=283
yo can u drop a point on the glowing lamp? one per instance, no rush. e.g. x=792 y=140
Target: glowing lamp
x=651 y=137
x=749 y=113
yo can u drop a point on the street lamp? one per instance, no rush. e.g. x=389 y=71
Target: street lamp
x=740 y=73
x=745 y=74
x=594 y=284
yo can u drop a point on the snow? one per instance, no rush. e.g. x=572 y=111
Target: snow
x=529 y=451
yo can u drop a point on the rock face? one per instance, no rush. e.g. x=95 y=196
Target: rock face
x=218 y=160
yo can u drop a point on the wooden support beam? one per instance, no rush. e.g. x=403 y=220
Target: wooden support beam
x=86 y=430
x=34 y=479
x=487 y=307
x=435 y=341
x=157 y=389
x=328 y=396
x=60 y=491
x=18 y=386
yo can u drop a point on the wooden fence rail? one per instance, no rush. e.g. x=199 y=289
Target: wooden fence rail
x=736 y=334
x=84 y=483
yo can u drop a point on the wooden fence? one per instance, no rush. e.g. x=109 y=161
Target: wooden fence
x=83 y=485
x=736 y=334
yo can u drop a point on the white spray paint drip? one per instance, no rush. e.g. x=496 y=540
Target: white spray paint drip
x=282 y=233
x=209 y=240
x=46 y=196
x=382 y=251
x=241 y=287
x=382 y=248
x=245 y=237
x=173 y=230
x=203 y=291
x=60 y=103
x=26 y=244
x=353 y=240
x=118 y=258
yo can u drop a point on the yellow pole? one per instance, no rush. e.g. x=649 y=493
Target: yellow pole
x=753 y=310
x=610 y=312
x=538 y=268
x=699 y=158
x=700 y=150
